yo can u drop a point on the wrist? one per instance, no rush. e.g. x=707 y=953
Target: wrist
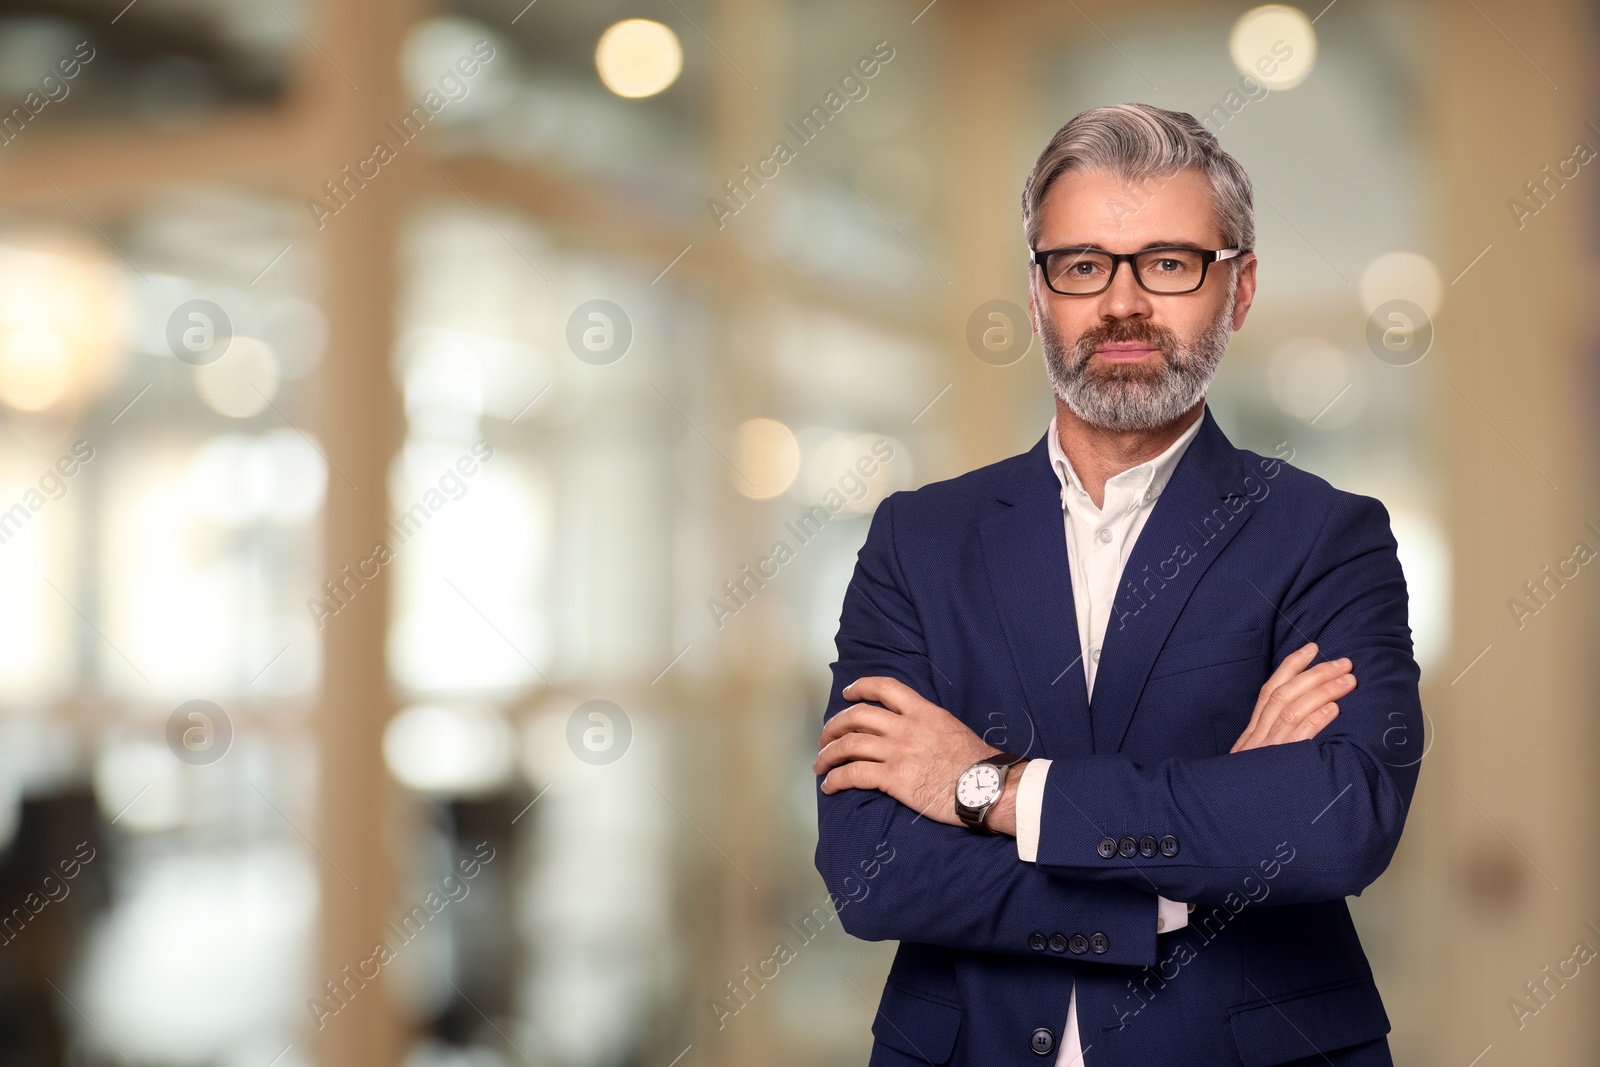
x=1002 y=817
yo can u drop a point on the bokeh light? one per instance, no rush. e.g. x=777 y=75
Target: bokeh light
x=1401 y=276
x=451 y=749
x=59 y=314
x=243 y=382
x=638 y=57
x=767 y=458
x=1312 y=379
x=1274 y=44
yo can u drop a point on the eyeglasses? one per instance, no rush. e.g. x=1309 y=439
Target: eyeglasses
x=1166 y=271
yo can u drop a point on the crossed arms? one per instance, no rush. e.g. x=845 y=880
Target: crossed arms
x=1338 y=797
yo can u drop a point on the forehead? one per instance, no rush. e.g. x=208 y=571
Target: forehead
x=1095 y=207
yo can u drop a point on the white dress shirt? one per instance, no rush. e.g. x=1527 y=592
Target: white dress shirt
x=1099 y=541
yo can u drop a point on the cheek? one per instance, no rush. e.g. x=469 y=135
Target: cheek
x=1191 y=323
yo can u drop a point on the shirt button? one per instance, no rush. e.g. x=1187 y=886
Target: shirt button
x=1094 y=654
x=1104 y=536
x=1161 y=924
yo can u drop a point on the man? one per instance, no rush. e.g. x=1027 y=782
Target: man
x=1058 y=764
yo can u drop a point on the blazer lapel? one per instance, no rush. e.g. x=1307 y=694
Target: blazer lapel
x=1202 y=508
x=1025 y=555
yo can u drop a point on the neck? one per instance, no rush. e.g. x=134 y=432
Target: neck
x=1098 y=454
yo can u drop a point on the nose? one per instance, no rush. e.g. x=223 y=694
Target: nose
x=1124 y=297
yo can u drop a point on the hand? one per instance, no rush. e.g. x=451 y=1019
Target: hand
x=910 y=748
x=1296 y=702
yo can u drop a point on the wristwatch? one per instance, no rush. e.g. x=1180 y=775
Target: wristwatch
x=979 y=788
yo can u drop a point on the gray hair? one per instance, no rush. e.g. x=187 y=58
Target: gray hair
x=1137 y=142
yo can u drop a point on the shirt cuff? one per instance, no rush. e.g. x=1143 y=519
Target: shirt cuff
x=1030 y=806
x=1170 y=914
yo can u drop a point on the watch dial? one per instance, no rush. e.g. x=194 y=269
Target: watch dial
x=979 y=785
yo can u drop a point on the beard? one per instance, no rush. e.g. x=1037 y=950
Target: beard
x=1124 y=397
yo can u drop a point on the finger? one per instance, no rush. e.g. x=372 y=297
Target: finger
x=890 y=692
x=1296 y=688
x=862 y=718
x=850 y=748
x=1309 y=679
x=1292 y=664
x=1295 y=698
x=1313 y=724
x=853 y=776
x=1295 y=713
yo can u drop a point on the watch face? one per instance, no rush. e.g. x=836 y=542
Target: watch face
x=979 y=785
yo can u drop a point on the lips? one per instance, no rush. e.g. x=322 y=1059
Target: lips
x=1125 y=352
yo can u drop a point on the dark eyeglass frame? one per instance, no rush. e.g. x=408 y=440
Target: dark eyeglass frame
x=1207 y=257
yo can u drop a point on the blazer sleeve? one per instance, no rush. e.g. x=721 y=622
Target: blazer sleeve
x=1321 y=817
x=894 y=875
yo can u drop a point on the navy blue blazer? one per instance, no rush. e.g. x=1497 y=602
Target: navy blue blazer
x=963 y=591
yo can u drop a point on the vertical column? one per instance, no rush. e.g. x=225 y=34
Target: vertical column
x=1509 y=794
x=750 y=86
x=986 y=50
x=358 y=425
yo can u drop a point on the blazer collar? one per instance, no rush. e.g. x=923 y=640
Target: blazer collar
x=1210 y=457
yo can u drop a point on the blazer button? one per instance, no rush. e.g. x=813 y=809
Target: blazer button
x=1078 y=944
x=1098 y=943
x=1043 y=1042
x=1147 y=846
x=1058 y=942
x=1036 y=942
x=1127 y=846
x=1107 y=847
x=1169 y=846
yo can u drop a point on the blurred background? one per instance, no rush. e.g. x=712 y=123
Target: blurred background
x=401 y=406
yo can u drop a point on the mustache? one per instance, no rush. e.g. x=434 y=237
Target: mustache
x=1115 y=331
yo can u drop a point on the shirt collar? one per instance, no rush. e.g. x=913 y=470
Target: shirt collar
x=1148 y=478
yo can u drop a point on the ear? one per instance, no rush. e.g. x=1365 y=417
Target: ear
x=1244 y=290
